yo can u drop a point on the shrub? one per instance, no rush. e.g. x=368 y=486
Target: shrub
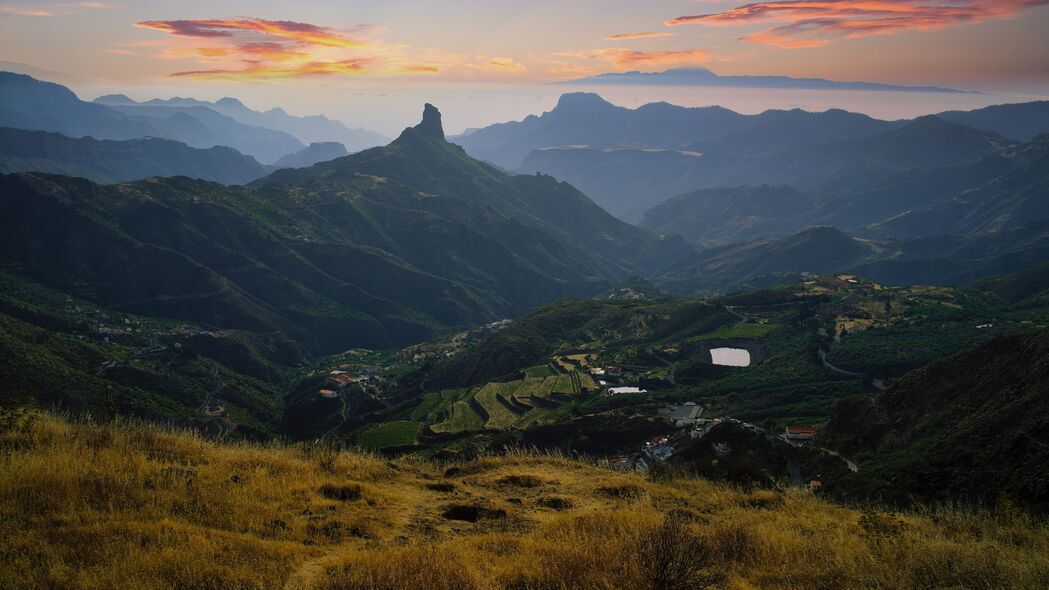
x=672 y=557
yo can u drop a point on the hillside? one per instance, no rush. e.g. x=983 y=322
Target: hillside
x=710 y=217
x=110 y=161
x=126 y=504
x=1005 y=202
x=969 y=427
x=27 y=103
x=1028 y=286
x=936 y=260
x=769 y=261
x=798 y=149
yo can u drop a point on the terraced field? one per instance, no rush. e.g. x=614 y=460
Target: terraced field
x=502 y=405
x=390 y=434
x=494 y=397
x=462 y=415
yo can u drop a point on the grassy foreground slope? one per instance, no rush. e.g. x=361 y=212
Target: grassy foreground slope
x=137 y=506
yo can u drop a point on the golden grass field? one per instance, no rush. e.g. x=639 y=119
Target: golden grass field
x=131 y=505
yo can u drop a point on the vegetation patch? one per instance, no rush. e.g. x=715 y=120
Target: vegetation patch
x=555 y=503
x=522 y=481
x=473 y=513
x=622 y=492
x=342 y=493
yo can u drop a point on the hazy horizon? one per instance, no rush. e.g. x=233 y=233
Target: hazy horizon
x=390 y=110
x=374 y=65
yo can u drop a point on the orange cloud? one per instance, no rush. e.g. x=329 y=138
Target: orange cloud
x=632 y=36
x=318 y=68
x=303 y=33
x=811 y=23
x=252 y=48
x=622 y=58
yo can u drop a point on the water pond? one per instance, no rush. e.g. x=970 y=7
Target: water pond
x=730 y=357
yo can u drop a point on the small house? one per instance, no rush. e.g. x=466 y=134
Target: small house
x=686 y=414
x=800 y=433
x=329 y=393
x=341 y=380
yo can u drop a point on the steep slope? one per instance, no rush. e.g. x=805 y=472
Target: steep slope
x=1015 y=198
x=119 y=161
x=27 y=103
x=312 y=154
x=379 y=249
x=712 y=216
x=971 y=427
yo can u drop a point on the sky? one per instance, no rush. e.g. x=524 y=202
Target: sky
x=373 y=63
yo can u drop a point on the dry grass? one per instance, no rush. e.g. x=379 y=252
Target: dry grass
x=130 y=505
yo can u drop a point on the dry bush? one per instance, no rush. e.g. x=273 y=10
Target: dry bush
x=672 y=557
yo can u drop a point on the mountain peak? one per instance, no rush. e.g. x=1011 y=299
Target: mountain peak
x=431 y=123
x=429 y=127
x=581 y=100
x=230 y=102
x=115 y=100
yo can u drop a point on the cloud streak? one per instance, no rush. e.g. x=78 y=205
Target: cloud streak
x=622 y=58
x=296 y=32
x=633 y=36
x=812 y=23
x=61 y=9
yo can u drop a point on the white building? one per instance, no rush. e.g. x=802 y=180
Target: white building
x=619 y=390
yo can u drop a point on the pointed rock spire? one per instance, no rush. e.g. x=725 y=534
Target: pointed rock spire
x=431 y=124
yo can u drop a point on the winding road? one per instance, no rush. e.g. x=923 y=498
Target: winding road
x=214 y=419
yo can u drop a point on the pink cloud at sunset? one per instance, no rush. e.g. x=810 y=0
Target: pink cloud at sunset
x=812 y=23
x=633 y=36
x=622 y=58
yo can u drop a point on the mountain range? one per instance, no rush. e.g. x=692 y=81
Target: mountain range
x=379 y=248
x=704 y=77
x=311 y=129
x=27 y=103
